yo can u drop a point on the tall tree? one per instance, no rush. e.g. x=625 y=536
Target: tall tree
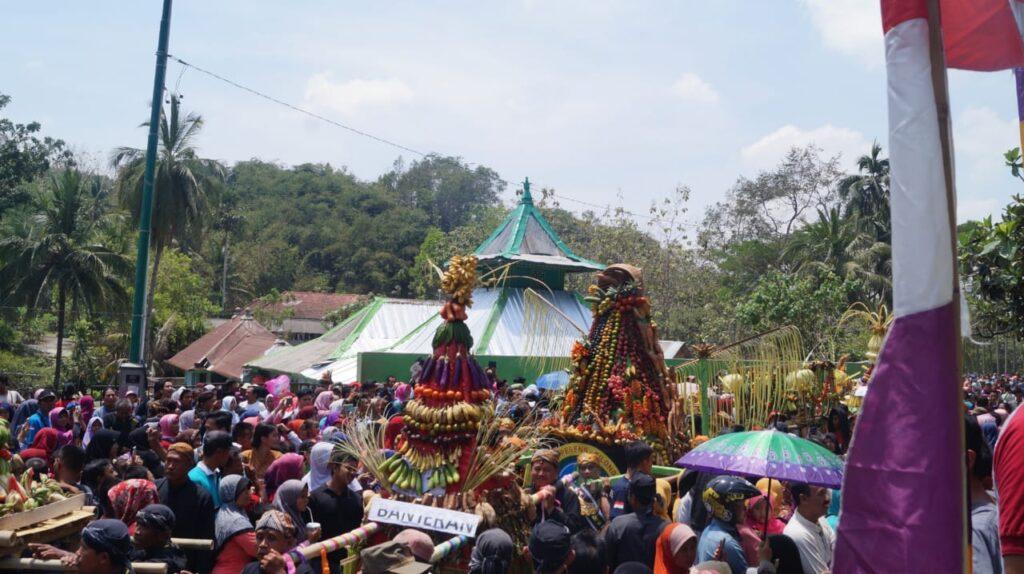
x=55 y=250
x=775 y=203
x=823 y=245
x=866 y=194
x=182 y=183
x=447 y=189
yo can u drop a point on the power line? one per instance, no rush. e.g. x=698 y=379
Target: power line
x=356 y=131
x=296 y=108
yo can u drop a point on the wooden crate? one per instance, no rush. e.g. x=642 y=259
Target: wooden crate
x=55 y=521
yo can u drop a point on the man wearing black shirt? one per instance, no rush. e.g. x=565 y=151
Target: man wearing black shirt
x=558 y=502
x=336 y=507
x=187 y=500
x=632 y=537
x=153 y=526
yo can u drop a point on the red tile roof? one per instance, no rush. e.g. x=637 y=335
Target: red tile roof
x=225 y=349
x=310 y=305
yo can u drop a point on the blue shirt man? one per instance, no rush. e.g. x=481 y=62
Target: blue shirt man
x=216 y=452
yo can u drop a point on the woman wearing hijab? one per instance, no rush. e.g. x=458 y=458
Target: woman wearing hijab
x=758 y=508
x=403 y=392
x=319 y=473
x=43 y=445
x=293 y=499
x=776 y=497
x=127 y=498
x=95 y=424
x=234 y=541
x=168 y=429
x=187 y=420
x=288 y=467
x=330 y=420
x=60 y=420
x=103 y=445
x=675 y=549
x=323 y=403
x=87 y=406
x=229 y=404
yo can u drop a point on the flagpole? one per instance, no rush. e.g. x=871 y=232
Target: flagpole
x=940 y=88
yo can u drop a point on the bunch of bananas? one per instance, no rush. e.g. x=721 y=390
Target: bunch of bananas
x=401 y=475
x=442 y=477
x=421 y=459
x=451 y=414
x=460 y=278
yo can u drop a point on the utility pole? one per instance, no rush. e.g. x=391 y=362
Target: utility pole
x=135 y=354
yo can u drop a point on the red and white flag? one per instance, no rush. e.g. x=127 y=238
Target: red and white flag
x=903 y=493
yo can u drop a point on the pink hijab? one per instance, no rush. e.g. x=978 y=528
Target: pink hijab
x=323 y=403
x=88 y=406
x=288 y=467
x=402 y=392
x=775 y=526
x=167 y=424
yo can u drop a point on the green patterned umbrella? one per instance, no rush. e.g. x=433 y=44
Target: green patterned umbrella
x=767 y=453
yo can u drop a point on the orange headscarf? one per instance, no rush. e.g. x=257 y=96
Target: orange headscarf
x=672 y=538
x=775 y=496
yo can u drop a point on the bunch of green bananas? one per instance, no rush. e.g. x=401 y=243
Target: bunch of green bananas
x=401 y=475
x=442 y=477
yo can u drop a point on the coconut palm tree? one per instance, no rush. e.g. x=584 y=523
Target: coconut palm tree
x=822 y=245
x=183 y=183
x=58 y=251
x=834 y=244
x=866 y=194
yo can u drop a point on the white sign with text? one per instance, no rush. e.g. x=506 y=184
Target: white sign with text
x=425 y=517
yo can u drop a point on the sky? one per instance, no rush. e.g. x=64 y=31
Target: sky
x=605 y=101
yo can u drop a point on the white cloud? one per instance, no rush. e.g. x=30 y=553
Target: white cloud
x=349 y=96
x=691 y=87
x=851 y=27
x=984 y=184
x=982 y=136
x=767 y=151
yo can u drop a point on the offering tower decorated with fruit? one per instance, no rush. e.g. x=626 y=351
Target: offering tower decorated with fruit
x=452 y=397
x=618 y=384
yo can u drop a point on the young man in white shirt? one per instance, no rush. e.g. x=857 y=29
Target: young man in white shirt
x=11 y=397
x=810 y=531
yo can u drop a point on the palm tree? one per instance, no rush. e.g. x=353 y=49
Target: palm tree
x=866 y=194
x=182 y=184
x=822 y=245
x=58 y=248
x=834 y=244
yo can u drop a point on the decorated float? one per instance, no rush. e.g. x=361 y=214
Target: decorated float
x=452 y=450
x=619 y=386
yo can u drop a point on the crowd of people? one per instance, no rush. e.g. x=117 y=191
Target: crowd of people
x=254 y=469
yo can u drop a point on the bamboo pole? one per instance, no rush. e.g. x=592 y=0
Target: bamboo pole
x=444 y=549
x=338 y=542
x=193 y=543
x=24 y=564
